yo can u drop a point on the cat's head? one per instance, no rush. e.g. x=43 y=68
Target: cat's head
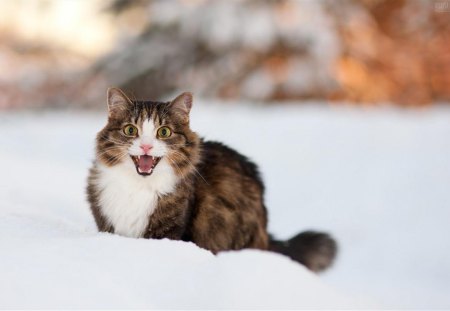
x=143 y=134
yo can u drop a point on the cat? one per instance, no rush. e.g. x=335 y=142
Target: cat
x=153 y=177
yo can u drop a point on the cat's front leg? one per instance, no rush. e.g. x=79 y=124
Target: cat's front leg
x=169 y=220
x=168 y=229
x=164 y=232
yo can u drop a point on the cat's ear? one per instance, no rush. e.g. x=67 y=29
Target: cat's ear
x=182 y=105
x=117 y=101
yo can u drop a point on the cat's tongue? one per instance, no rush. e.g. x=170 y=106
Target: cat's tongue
x=145 y=163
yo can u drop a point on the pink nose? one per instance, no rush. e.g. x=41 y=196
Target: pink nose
x=146 y=148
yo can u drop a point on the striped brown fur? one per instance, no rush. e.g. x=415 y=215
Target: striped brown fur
x=218 y=201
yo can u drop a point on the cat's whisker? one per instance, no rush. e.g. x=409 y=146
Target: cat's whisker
x=108 y=150
x=190 y=163
x=112 y=139
x=119 y=146
x=176 y=165
x=121 y=143
x=116 y=158
x=113 y=147
x=114 y=161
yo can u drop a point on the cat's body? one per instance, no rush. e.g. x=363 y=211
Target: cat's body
x=155 y=178
x=200 y=208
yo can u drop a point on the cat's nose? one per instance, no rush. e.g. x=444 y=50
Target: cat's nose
x=146 y=148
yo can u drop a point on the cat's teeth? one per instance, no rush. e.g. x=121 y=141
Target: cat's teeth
x=149 y=171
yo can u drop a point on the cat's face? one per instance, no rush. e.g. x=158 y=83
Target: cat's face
x=143 y=133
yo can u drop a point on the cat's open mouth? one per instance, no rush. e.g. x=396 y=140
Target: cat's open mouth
x=145 y=164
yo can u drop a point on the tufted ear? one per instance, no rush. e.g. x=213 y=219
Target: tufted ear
x=182 y=105
x=117 y=100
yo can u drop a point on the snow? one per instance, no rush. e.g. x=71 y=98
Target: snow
x=375 y=178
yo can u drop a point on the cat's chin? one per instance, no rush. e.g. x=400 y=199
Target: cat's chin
x=145 y=164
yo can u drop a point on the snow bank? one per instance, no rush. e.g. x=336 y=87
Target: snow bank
x=104 y=271
x=376 y=179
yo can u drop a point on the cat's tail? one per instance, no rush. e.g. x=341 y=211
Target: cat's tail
x=315 y=250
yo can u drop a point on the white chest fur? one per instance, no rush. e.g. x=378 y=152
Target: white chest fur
x=127 y=200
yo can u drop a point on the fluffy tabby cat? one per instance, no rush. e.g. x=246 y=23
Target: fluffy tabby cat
x=153 y=177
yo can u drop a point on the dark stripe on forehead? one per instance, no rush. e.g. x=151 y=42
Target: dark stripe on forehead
x=160 y=112
x=146 y=110
x=137 y=110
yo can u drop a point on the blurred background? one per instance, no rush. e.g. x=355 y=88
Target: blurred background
x=62 y=53
x=343 y=104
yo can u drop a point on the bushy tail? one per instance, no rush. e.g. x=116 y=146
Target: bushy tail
x=315 y=250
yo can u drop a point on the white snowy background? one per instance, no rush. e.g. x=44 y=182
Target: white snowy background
x=377 y=179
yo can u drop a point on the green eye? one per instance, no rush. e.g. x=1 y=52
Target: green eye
x=164 y=132
x=130 y=130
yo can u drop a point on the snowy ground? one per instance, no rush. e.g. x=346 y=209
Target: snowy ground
x=377 y=179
